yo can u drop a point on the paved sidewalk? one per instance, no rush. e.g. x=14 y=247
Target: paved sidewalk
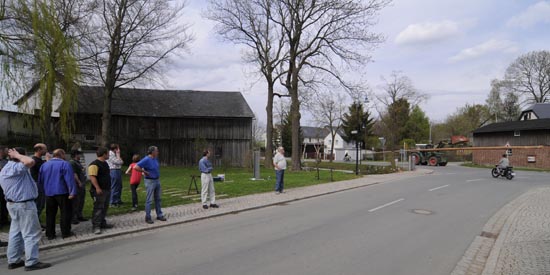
x=516 y=240
x=135 y=222
x=523 y=245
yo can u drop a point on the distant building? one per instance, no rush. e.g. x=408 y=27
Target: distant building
x=181 y=123
x=313 y=143
x=536 y=111
x=531 y=129
x=341 y=147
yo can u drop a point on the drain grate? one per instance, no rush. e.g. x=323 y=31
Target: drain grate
x=422 y=211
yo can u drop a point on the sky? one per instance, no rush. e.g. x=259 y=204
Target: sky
x=451 y=50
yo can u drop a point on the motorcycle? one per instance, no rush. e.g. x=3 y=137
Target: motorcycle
x=507 y=172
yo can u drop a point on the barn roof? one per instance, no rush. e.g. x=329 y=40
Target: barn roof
x=541 y=110
x=535 y=124
x=165 y=103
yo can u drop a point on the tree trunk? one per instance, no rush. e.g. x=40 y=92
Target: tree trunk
x=333 y=135
x=106 y=117
x=110 y=78
x=46 y=132
x=268 y=162
x=295 y=116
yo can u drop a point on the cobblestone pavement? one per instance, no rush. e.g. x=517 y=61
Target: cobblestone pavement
x=135 y=222
x=516 y=240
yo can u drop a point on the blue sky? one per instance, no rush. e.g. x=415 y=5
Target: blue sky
x=451 y=50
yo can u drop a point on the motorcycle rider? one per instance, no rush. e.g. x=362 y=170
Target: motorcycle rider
x=503 y=163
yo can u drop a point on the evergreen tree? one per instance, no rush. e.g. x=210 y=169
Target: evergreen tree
x=360 y=120
x=394 y=121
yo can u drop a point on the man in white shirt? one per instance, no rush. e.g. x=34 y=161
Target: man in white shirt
x=279 y=162
x=115 y=164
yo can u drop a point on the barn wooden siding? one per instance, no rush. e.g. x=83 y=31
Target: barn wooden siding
x=526 y=138
x=180 y=140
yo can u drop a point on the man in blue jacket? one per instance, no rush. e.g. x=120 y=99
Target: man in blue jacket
x=57 y=178
x=149 y=166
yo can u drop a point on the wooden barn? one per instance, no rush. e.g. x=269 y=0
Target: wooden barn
x=181 y=123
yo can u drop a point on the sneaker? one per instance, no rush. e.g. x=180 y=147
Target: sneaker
x=277 y=193
x=161 y=218
x=134 y=209
x=149 y=221
x=82 y=219
x=213 y=205
x=75 y=222
x=37 y=266
x=97 y=230
x=204 y=206
x=16 y=265
x=114 y=206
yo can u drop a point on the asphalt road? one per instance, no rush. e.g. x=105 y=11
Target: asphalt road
x=370 y=230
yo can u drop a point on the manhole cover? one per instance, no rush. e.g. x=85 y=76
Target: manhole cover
x=422 y=211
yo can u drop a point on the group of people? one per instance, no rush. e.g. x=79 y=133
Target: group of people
x=30 y=184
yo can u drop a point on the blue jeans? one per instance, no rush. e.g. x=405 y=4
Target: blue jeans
x=25 y=233
x=153 y=189
x=116 y=186
x=279 y=180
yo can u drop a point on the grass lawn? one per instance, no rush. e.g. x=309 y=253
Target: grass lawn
x=175 y=183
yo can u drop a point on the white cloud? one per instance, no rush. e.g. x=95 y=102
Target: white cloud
x=428 y=32
x=488 y=47
x=534 y=14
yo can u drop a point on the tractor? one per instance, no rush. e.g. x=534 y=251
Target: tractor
x=422 y=156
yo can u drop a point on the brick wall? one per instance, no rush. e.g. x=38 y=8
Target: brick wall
x=517 y=159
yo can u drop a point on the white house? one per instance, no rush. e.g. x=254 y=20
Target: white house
x=340 y=146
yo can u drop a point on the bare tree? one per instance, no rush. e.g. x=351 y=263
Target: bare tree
x=530 y=76
x=247 y=22
x=327 y=110
x=399 y=86
x=129 y=42
x=323 y=36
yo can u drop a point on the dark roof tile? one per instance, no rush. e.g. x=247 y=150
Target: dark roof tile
x=535 y=124
x=165 y=103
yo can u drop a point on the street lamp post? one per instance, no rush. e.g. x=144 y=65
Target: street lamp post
x=354 y=132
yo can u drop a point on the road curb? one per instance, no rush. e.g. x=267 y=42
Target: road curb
x=131 y=230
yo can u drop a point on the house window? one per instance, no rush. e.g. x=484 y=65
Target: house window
x=336 y=142
x=517 y=133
